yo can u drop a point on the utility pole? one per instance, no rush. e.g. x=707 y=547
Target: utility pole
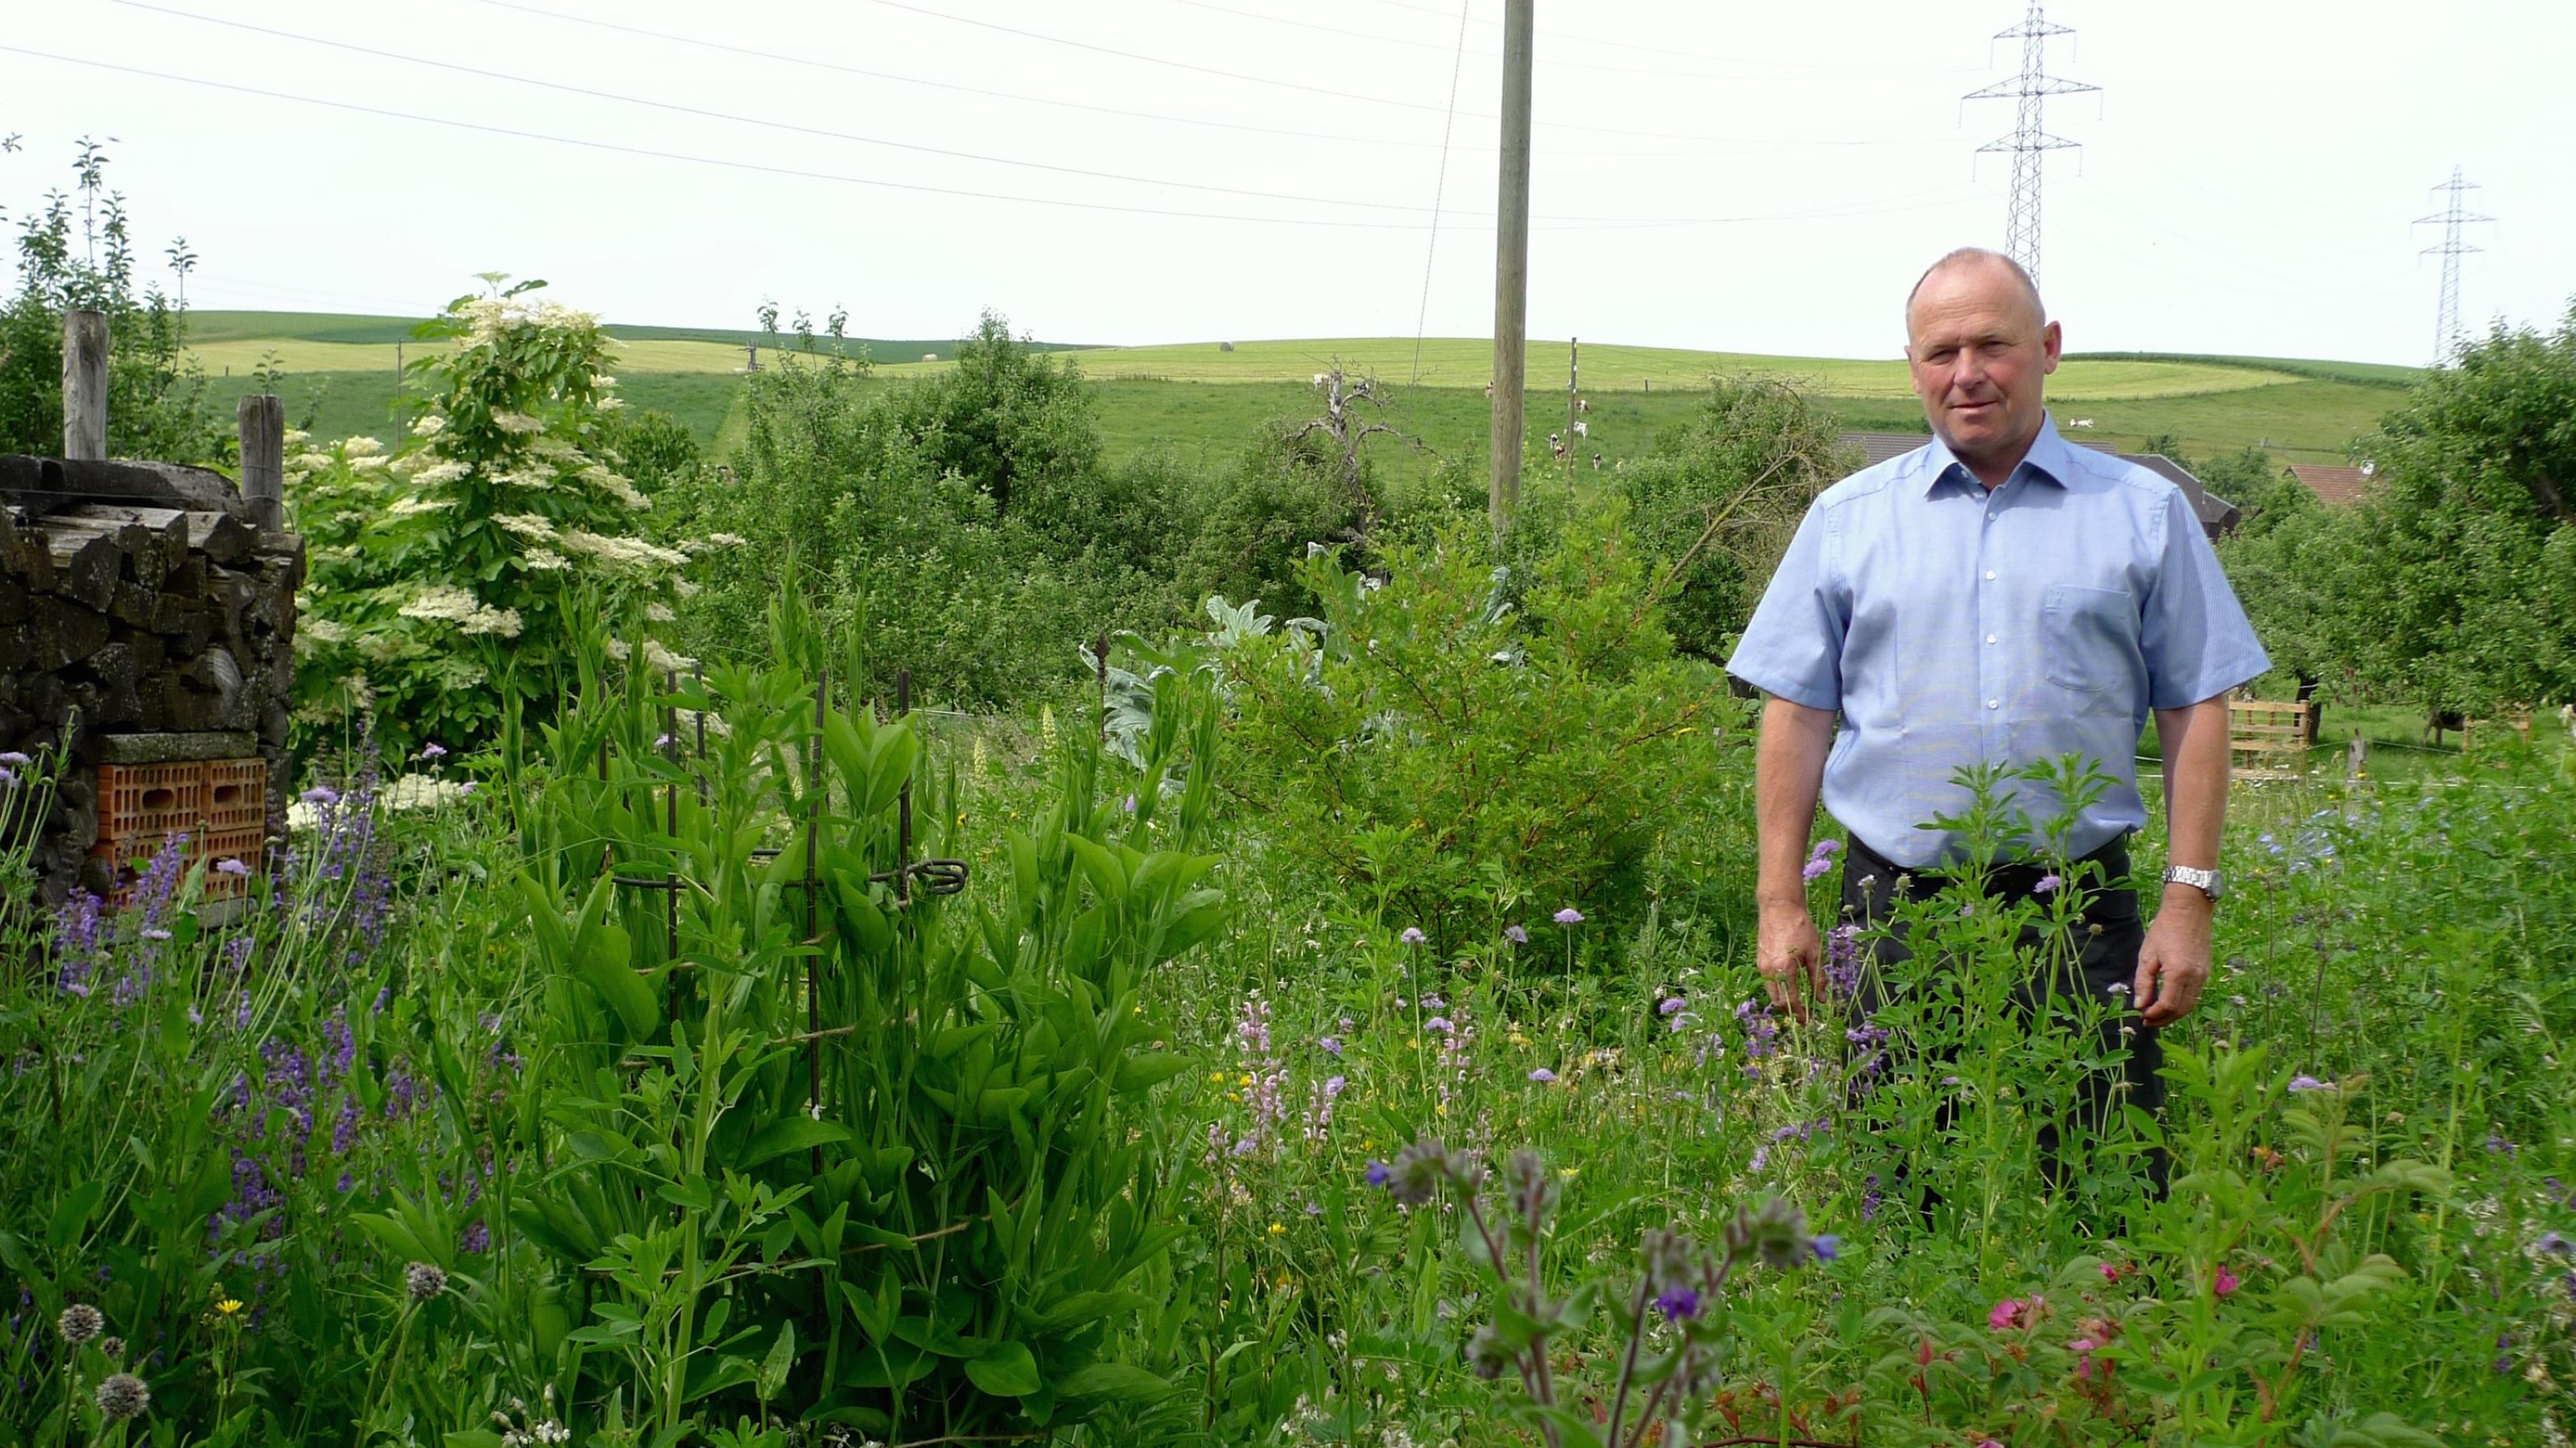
x=1573 y=380
x=2028 y=143
x=1511 y=266
x=2454 y=217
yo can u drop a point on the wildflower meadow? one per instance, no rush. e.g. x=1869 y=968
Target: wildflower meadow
x=903 y=945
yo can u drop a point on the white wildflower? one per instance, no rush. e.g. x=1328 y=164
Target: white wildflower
x=684 y=588
x=626 y=552
x=657 y=613
x=429 y=425
x=662 y=660
x=310 y=461
x=360 y=447
x=412 y=505
x=367 y=464
x=612 y=404
x=516 y=422
x=321 y=630
x=533 y=478
x=297 y=437
x=439 y=474
x=543 y=560
x=381 y=646
x=602 y=381
x=443 y=603
x=487 y=620
x=531 y=526
x=725 y=540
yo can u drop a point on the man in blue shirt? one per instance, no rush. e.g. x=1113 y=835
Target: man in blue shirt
x=1994 y=596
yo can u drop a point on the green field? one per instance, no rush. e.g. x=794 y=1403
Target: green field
x=338 y=372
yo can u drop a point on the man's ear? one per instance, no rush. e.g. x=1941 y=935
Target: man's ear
x=2052 y=343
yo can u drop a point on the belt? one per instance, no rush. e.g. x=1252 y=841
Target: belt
x=2009 y=880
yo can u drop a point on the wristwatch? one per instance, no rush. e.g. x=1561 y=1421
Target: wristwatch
x=2206 y=882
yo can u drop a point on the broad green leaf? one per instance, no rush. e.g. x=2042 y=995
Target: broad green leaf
x=790 y=1134
x=1115 y=1382
x=72 y=1214
x=1007 y=1369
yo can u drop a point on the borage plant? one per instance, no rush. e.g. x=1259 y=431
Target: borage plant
x=1671 y=1372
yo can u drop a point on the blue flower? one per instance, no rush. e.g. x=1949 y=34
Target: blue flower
x=1412 y=935
x=1378 y=1174
x=1679 y=1303
x=1827 y=1246
x=1569 y=916
x=1515 y=935
x=1543 y=1076
x=2309 y=1083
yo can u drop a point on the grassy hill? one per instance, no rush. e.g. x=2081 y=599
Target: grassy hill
x=338 y=378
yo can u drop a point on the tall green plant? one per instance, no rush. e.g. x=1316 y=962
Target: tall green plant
x=822 y=1144
x=450 y=575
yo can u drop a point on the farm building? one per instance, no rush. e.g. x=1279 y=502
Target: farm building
x=147 y=623
x=2339 y=486
x=2217 y=515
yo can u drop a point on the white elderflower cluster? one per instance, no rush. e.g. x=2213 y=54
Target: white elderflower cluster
x=530 y=526
x=623 y=552
x=381 y=646
x=534 y=479
x=306 y=462
x=516 y=423
x=657 y=613
x=360 y=447
x=488 y=620
x=430 y=425
x=442 y=602
x=616 y=487
x=297 y=437
x=367 y=464
x=321 y=630
x=543 y=560
x=656 y=657
x=722 y=540
x=440 y=473
x=412 y=505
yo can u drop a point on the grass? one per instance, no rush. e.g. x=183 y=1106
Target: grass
x=1201 y=400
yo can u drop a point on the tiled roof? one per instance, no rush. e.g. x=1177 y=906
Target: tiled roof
x=2216 y=514
x=2332 y=484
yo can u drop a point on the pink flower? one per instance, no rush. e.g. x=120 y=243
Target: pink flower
x=2225 y=1282
x=2083 y=1347
x=2007 y=1314
x=2110 y=1271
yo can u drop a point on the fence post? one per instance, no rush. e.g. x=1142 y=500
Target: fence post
x=85 y=385
x=263 y=460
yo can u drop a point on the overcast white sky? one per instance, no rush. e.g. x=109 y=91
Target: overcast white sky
x=1755 y=177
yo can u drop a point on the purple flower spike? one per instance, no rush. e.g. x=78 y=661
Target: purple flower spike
x=1569 y=916
x=1680 y=1304
x=1412 y=935
x=1543 y=1076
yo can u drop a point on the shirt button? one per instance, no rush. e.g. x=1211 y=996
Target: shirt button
x=1994 y=703
x=1990 y=638
x=1990 y=575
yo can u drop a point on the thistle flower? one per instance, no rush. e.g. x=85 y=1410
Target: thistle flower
x=424 y=1280
x=122 y=1396
x=79 y=1323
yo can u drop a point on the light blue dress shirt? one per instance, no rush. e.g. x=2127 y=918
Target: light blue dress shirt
x=1950 y=625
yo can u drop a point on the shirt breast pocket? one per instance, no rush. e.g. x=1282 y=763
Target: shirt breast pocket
x=2091 y=638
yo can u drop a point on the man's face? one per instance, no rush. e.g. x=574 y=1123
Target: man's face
x=1978 y=351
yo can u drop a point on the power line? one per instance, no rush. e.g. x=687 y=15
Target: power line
x=1732 y=146
x=1340 y=95
x=1346 y=33
x=1439 y=185
x=798 y=173
x=2030 y=142
x=2454 y=218
x=1667 y=50
x=825 y=132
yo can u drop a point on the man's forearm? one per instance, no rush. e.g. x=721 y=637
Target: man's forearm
x=2194 y=741
x=1788 y=774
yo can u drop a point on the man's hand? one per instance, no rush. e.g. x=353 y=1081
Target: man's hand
x=2173 y=963
x=1791 y=957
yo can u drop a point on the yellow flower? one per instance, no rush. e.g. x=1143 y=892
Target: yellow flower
x=1278 y=1229
x=1216 y=1075
x=229 y=1307
x=1246 y=1081
x=1520 y=1040
x=1569 y=1173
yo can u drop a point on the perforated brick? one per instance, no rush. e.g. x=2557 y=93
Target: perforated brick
x=136 y=800
x=237 y=794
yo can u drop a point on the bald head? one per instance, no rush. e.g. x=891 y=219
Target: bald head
x=1992 y=267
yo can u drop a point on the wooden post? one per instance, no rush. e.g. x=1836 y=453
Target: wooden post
x=1573 y=383
x=263 y=459
x=1511 y=267
x=85 y=345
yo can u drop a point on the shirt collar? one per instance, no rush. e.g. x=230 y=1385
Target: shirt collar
x=2048 y=459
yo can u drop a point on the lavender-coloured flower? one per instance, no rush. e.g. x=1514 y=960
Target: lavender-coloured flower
x=320 y=794
x=1543 y=1076
x=1569 y=916
x=1678 y=1303
x=2046 y=884
x=2553 y=1242
x=1515 y=935
x=1412 y=935
x=433 y=751
x=1815 y=869
x=1332 y=1045
x=79 y=1323
x=14 y=759
x=1826 y=1246
x=1440 y=1024
x=230 y=866
x=1379 y=1173
x=1672 y=1005
x=122 y=1396
x=2309 y=1083
x=424 y=1280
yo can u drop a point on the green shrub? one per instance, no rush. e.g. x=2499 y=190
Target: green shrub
x=1720 y=496
x=446 y=574
x=1460 y=764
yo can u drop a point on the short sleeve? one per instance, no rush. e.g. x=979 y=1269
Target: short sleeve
x=1793 y=648
x=2194 y=634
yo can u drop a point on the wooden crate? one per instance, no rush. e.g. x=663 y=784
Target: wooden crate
x=2267 y=739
